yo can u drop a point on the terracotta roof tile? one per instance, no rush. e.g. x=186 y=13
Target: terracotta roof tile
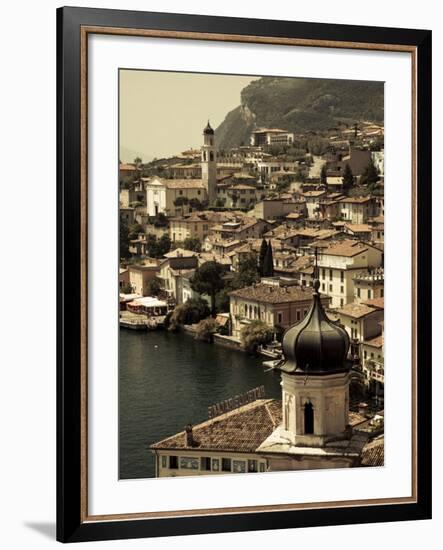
x=243 y=429
x=374 y=453
x=183 y=184
x=348 y=247
x=377 y=303
x=274 y=294
x=356 y=310
x=376 y=342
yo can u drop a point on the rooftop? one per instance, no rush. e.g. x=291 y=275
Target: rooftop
x=356 y=200
x=242 y=429
x=376 y=342
x=273 y=294
x=184 y=184
x=128 y=167
x=357 y=311
x=174 y=183
x=377 y=303
x=348 y=247
x=359 y=227
x=374 y=452
x=180 y=253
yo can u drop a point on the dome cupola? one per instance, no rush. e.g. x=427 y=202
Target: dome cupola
x=315 y=345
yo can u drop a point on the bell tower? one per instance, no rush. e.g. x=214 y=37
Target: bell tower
x=315 y=431
x=209 y=164
x=315 y=379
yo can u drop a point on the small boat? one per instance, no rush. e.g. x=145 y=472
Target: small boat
x=270 y=351
x=272 y=365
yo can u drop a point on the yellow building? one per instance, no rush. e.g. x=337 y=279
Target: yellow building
x=273 y=304
x=141 y=275
x=196 y=225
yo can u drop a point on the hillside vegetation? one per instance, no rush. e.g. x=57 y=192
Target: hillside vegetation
x=300 y=105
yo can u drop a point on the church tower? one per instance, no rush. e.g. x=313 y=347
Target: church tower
x=315 y=431
x=209 y=164
x=315 y=379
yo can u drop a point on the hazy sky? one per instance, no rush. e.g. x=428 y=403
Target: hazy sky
x=163 y=113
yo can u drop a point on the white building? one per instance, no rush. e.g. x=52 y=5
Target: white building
x=357 y=209
x=174 y=197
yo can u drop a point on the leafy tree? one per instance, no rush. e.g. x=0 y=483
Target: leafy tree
x=127 y=289
x=261 y=256
x=181 y=201
x=164 y=244
x=301 y=174
x=206 y=329
x=220 y=202
x=160 y=220
x=137 y=161
x=370 y=174
x=196 y=204
x=247 y=273
x=208 y=280
x=348 y=177
x=283 y=184
x=124 y=239
x=134 y=230
x=189 y=313
x=323 y=175
x=157 y=248
x=154 y=287
x=152 y=245
x=192 y=243
x=268 y=264
x=317 y=145
x=255 y=334
x=222 y=300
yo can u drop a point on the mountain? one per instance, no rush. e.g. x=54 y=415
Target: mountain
x=300 y=105
x=128 y=155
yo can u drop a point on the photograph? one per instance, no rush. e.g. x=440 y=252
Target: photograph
x=251 y=273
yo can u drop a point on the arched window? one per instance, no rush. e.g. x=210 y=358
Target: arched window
x=204 y=156
x=309 y=418
x=211 y=155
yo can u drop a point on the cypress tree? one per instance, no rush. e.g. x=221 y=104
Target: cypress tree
x=348 y=177
x=261 y=257
x=370 y=174
x=324 y=175
x=268 y=265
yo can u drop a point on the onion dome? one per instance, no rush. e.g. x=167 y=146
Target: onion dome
x=208 y=131
x=315 y=345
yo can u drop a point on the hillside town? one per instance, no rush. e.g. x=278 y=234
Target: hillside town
x=239 y=247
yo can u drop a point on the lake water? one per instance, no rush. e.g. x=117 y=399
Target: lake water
x=169 y=380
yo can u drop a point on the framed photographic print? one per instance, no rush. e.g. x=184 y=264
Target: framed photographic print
x=231 y=279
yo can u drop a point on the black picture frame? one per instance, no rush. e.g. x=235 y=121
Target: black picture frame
x=71 y=525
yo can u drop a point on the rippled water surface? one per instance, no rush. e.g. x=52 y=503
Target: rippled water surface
x=168 y=380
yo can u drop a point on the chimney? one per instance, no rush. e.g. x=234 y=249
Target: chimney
x=189 y=437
